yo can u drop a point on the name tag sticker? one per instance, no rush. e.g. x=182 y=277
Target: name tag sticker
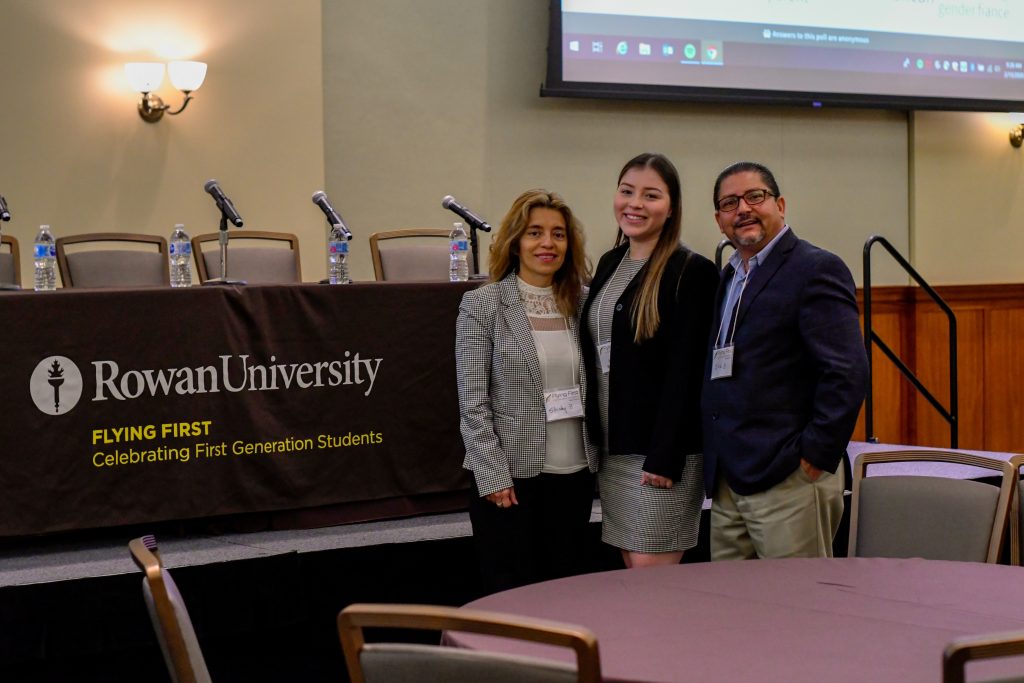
x=604 y=355
x=562 y=404
x=721 y=362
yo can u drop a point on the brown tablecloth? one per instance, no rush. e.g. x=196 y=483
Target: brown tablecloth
x=134 y=406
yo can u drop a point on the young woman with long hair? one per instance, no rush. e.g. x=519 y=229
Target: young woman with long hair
x=645 y=330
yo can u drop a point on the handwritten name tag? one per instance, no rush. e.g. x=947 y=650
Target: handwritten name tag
x=562 y=404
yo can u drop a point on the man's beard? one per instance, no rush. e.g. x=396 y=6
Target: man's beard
x=754 y=239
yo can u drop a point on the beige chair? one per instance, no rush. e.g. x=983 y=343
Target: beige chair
x=135 y=261
x=10 y=261
x=170 y=619
x=413 y=254
x=394 y=662
x=936 y=518
x=1016 y=525
x=255 y=256
x=974 y=648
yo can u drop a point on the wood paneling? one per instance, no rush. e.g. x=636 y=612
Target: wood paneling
x=932 y=343
x=889 y=308
x=1004 y=371
x=990 y=366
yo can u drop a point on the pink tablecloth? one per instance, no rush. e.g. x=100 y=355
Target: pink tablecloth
x=774 y=620
x=936 y=469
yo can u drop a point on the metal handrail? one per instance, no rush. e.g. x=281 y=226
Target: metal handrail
x=718 y=252
x=951 y=416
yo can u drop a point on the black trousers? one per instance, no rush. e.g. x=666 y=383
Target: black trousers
x=543 y=537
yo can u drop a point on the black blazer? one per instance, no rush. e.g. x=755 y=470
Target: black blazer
x=654 y=387
x=799 y=372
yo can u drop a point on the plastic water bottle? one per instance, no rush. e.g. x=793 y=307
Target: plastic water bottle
x=337 y=257
x=45 y=254
x=458 y=269
x=180 y=257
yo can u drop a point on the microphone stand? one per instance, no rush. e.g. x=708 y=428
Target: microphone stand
x=474 y=249
x=222 y=238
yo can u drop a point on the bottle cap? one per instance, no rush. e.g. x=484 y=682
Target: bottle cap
x=179 y=226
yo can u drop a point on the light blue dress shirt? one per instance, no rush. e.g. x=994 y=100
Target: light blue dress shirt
x=738 y=282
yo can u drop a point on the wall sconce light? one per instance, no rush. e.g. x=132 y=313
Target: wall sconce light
x=145 y=77
x=1017 y=132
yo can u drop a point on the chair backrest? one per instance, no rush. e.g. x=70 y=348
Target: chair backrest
x=256 y=256
x=170 y=618
x=393 y=662
x=973 y=648
x=935 y=518
x=411 y=254
x=10 y=261
x=1015 y=529
x=119 y=267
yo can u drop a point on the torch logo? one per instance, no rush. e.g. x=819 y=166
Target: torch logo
x=56 y=385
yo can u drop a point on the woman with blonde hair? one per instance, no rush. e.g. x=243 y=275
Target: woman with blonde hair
x=521 y=395
x=645 y=329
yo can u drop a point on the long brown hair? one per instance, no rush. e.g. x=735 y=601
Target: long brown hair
x=644 y=312
x=575 y=271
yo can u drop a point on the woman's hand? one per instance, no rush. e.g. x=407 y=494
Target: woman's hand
x=504 y=498
x=655 y=480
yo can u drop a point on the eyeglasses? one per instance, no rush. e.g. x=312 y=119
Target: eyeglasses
x=751 y=197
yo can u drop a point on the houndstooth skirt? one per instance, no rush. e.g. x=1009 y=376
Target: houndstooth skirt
x=644 y=519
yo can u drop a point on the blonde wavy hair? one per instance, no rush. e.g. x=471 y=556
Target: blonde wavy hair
x=644 y=312
x=575 y=271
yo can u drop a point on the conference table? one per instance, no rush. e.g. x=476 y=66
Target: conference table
x=131 y=406
x=836 y=620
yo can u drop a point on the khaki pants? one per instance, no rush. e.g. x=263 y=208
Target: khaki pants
x=796 y=518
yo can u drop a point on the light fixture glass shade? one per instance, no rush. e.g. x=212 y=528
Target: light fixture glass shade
x=187 y=75
x=144 y=76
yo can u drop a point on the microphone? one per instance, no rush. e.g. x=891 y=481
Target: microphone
x=223 y=203
x=5 y=214
x=333 y=217
x=479 y=223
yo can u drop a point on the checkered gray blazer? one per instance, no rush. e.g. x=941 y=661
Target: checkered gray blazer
x=501 y=388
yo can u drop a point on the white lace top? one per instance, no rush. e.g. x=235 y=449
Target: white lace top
x=560 y=367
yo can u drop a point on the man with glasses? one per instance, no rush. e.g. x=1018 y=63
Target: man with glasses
x=785 y=381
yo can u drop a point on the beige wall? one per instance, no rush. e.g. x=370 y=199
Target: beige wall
x=968 y=189
x=432 y=98
x=393 y=104
x=76 y=155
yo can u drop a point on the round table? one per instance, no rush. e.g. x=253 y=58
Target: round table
x=858 y=619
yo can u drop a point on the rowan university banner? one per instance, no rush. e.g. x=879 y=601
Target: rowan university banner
x=130 y=406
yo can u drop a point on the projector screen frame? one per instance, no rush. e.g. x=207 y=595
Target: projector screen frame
x=555 y=86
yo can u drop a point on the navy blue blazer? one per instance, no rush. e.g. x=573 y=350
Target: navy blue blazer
x=799 y=372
